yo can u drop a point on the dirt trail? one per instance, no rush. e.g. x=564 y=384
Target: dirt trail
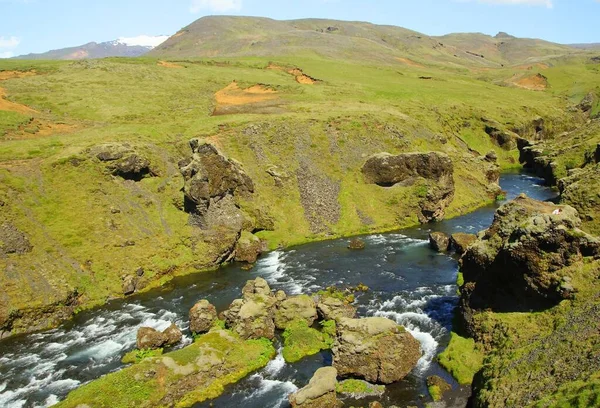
x=232 y=94
x=297 y=73
x=168 y=64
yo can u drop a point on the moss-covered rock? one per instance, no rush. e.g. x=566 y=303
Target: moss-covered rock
x=320 y=391
x=437 y=387
x=358 y=389
x=300 y=340
x=202 y=316
x=334 y=304
x=181 y=378
x=374 y=348
x=301 y=307
x=438 y=241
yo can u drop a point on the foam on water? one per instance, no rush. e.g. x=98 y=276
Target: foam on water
x=275 y=365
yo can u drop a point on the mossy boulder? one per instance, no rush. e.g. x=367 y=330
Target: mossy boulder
x=460 y=241
x=122 y=160
x=202 y=317
x=301 y=307
x=248 y=248
x=375 y=349
x=182 y=378
x=437 y=387
x=356 y=244
x=406 y=169
x=320 y=391
x=516 y=264
x=334 y=305
x=300 y=340
x=152 y=339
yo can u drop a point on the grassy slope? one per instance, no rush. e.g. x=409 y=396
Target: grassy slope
x=327 y=129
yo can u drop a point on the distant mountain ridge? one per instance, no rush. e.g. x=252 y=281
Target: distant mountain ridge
x=116 y=48
x=228 y=36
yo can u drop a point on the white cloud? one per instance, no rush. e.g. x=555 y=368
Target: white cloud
x=218 y=6
x=6 y=54
x=9 y=42
x=546 y=3
x=144 y=40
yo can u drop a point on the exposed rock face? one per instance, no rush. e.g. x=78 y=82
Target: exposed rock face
x=436 y=168
x=320 y=391
x=504 y=139
x=580 y=190
x=439 y=241
x=151 y=339
x=356 y=243
x=532 y=157
x=332 y=308
x=512 y=266
x=300 y=307
x=248 y=248
x=461 y=241
x=587 y=103
x=202 y=316
x=253 y=316
x=13 y=241
x=122 y=160
x=211 y=183
x=375 y=348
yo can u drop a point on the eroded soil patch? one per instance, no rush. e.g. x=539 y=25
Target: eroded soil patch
x=168 y=64
x=255 y=99
x=409 y=62
x=536 y=82
x=297 y=73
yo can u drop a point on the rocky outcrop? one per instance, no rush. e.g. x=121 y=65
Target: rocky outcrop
x=515 y=264
x=435 y=168
x=13 y=241
x=581 y=190
x=438 y=241
x=461 y=241
x=253 y=316
x=320 y=391
x=588 y=102
x=151 y=339
x=375 y=349
x=301 y=307
x=504 y=139
x=211 y=183
x=122 y=160
x=202 y=317
x=532 y=157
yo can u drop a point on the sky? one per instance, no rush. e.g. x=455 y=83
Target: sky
x=40 y=25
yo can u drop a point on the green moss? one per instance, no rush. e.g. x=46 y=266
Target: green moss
x=462 y=359
x=359 y=387
x=435 y=392
x=300 y=341
x=135 y=356
x=217 y=359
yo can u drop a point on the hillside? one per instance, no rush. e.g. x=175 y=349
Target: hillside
x=91 y=50
x=251 y=36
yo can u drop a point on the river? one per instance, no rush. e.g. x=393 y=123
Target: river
x=408 y=282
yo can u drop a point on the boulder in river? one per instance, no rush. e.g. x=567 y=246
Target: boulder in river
x=439 y=241
x=320 y=391
x=202 y=316
x=461 y=241
x=152 y=339
x=516 y=264
x=376 y=349
x=356 y=243
x=248 y=248
x=253 y=316
x=331 y=306
x=301 y=307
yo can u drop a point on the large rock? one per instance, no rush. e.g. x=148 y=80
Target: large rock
x=588 y=102
x=248 y=248
x=202 y=316
x=461 y=241
x=152 y=339
x=436 y=168
x=375 y=349
x=581 y=189
x=173 y=334
x=439 y=241
x=253 y=316
x=333 y=308
x=211 y=181
x=13 y=241
x=515 y=264
x=122 y=160
x=320 y=391
x=300 y=307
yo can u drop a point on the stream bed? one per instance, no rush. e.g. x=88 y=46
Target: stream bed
x=408 y=282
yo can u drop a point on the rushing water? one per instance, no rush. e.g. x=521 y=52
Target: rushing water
x=408 y=283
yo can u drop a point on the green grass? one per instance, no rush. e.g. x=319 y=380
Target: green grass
x=358 y=387
x=135 y=356
x=462 y=359
x=300 y=341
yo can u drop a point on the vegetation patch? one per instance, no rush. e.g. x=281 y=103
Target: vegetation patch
x=300 y=341
x=462 y=358
x=359 y=389
x=135 y=356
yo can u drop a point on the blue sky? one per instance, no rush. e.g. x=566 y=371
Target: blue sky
x=40 y=25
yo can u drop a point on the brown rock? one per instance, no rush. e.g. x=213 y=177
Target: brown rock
x=202 y=316
x=300 y=307
x=129 y=284
x=320 y=391
x=375 y=349
x=173 y=335
x=150 y=339
x=356 y=243
x=332 y=308
x=248 y=248
x=439 y=241
x=13 y=241
x=461 y=241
